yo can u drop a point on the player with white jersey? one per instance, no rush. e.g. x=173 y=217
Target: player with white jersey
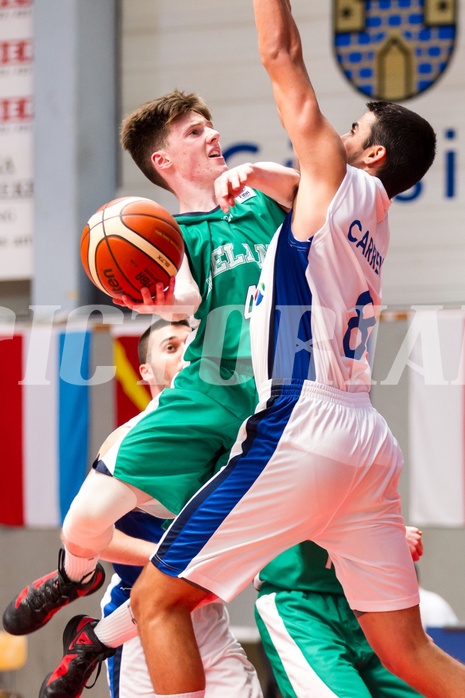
x=315 y=460
x=324 y=291
x=315 y=449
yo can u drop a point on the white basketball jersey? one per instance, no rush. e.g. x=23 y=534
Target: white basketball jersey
x=317 y=301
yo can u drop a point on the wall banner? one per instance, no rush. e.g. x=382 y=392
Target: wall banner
x=16 y=134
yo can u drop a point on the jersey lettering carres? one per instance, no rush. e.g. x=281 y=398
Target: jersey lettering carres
x=317 y=300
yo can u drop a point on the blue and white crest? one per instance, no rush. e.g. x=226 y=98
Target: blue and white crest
x=394 y=49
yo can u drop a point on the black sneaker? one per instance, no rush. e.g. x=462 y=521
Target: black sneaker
x=82 y=653
x=38 y=602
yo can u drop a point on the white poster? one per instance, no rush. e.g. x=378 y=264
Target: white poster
x=16 y=133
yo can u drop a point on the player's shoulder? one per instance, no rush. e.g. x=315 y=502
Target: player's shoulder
x=363 y=190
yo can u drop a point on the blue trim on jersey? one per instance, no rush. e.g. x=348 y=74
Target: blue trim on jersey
x=100 y=467
x=201 y=517
x=114 y=671
x=290 y=348
x=138 y=524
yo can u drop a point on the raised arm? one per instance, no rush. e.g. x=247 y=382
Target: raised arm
x=317 y=145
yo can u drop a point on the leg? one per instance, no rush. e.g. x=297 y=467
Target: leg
x=162 y=606
x=228 y=672
x=399 y=640
x=127 y=672
x=314 y=644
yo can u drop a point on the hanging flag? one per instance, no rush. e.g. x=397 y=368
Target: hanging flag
x=44 y=423
x=437 y=418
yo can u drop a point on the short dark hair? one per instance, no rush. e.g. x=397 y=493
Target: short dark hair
x=410 y=143
x=147 y=128
x=142 y=346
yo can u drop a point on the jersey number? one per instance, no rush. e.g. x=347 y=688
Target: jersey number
x=359 y=327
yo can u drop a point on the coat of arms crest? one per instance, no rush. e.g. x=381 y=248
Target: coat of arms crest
x=394 y=49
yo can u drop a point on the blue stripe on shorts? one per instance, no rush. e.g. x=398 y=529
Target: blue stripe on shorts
x=207 y=510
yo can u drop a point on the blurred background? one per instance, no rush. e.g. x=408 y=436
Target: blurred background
x=69 y=71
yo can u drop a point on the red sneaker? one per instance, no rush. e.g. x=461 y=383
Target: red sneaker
x=37 y=603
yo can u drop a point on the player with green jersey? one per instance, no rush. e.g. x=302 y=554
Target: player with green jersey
x=311 y=636
x=197 y=419
x=173 y=450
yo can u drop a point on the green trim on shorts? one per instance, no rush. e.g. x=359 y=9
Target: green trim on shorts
x=277 y=666
x=332 y=642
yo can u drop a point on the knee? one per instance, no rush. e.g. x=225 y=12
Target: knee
x=404 y=658
x=393 y=663
x=154 y=586
x=157 y=594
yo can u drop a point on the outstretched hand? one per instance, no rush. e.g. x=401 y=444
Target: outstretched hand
x=230 y=184
x=150 y=304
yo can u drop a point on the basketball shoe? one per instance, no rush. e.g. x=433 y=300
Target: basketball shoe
x=82 y=653
x=37 y=603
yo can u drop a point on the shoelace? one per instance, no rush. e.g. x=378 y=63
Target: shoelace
x=52 y=590
x=99 y=669
x=57 y=587
x=76 y=680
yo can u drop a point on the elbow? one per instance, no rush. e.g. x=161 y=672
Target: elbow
x=279 y=56
x=272 y=54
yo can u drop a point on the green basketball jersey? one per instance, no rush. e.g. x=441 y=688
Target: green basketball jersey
x=304 y=567
x=174 y=449
x=225 y=253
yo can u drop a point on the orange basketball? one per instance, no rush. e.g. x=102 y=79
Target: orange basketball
x=131 y=243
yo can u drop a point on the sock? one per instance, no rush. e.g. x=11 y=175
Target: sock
x=118 y=627
x=196 y=694
x=77 y=568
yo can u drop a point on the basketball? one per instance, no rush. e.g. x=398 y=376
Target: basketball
x=131 y=243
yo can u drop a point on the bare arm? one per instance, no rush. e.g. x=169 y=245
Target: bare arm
x=123 y=548
x=317 y=145
x=127 y=550
x=276 y=181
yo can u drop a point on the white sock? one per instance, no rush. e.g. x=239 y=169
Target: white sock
x=77 y=568
x=196 y=694
x=118 y=627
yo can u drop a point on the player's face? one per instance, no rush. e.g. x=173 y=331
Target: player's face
x=194 y=148
x=356 y=137
x=164 y=355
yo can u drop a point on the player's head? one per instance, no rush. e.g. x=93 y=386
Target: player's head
x=393 y=143
x=174 y=128
x=160 y=351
